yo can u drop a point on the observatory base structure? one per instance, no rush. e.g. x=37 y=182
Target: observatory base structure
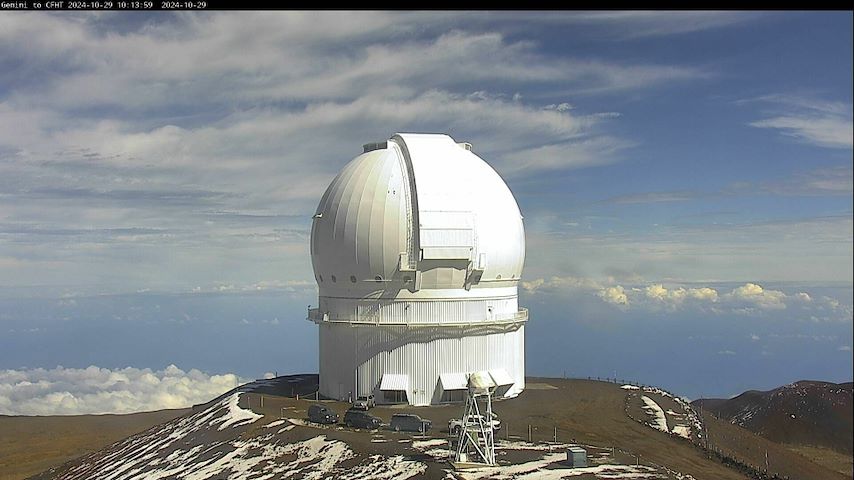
x=420 y=364
x=417 y=248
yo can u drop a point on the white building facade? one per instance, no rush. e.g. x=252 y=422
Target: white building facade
x=417 y=248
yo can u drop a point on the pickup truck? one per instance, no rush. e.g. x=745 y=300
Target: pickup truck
x=365 y=403
x=455 y=424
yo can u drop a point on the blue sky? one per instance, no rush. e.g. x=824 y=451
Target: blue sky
x=686 y=179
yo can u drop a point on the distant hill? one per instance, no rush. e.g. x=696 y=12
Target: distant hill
x=29 y=445
x=803 y=413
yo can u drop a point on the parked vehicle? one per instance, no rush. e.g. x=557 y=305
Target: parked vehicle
x=409 y=422
x=322 y=414
x=365 y=402
x=455 y=424
x=356 y=418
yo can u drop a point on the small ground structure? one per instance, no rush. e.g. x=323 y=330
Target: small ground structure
x=576 y=457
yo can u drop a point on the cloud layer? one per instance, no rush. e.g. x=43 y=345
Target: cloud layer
x=93 y=390
x=746 y=299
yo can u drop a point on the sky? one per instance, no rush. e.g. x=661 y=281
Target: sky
x=685 y=180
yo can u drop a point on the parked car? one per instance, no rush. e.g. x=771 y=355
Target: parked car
x=356 y=418
x=455 y=424
x=409 y=422
x=365 y=402
x=322 y=414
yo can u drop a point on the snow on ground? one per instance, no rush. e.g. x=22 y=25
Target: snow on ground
x=188 y=448
x=630 y=387
x=663 y=393
x=436 y=448
x=680 y=428
x=274 y=424
x=510 y=445
x=236 y=416
x=305 y=423
x=552 y=467
x=131 y=457
x=659 y=421
x=384 y=468
x=421 y=444
x=694 y=423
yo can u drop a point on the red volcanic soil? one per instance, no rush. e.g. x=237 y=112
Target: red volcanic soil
x=807 y=413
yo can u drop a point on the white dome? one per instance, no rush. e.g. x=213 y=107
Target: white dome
x=417 y=212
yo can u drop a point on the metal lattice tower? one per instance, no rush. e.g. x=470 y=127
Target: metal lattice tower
x=476 y=443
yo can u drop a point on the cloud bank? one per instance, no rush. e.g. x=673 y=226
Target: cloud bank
x=746 y=299
x=93 y=390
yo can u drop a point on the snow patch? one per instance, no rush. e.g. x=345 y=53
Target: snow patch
x=235 y=415
x=543 y=469
x=381 y=468
x=659 y=421
x=421 y=444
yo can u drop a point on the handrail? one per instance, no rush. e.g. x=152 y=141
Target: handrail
x=520 y=316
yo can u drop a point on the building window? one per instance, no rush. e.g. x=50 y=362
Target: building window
x=453 y=396
x=394 y=396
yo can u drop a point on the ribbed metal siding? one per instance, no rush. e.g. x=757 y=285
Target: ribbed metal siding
x=420 y=312
x=351 y=355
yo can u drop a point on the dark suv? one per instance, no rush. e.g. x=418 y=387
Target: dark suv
x=361 y=419
x=409 y=423
x=322 y=414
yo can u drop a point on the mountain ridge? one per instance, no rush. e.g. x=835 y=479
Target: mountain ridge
x=806 y=412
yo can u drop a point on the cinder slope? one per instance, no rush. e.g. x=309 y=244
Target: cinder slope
x=258 y=432
x=803 y=413
x=29 y=445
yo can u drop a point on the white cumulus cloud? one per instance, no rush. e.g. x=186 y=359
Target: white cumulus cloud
x=756 y=296
x=615 y=295
x=747 y=299
x=94 y=390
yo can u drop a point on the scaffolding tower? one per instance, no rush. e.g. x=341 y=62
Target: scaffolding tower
x=475 y=442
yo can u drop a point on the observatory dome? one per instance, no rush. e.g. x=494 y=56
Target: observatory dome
x=416 y=203
x=417 y=248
